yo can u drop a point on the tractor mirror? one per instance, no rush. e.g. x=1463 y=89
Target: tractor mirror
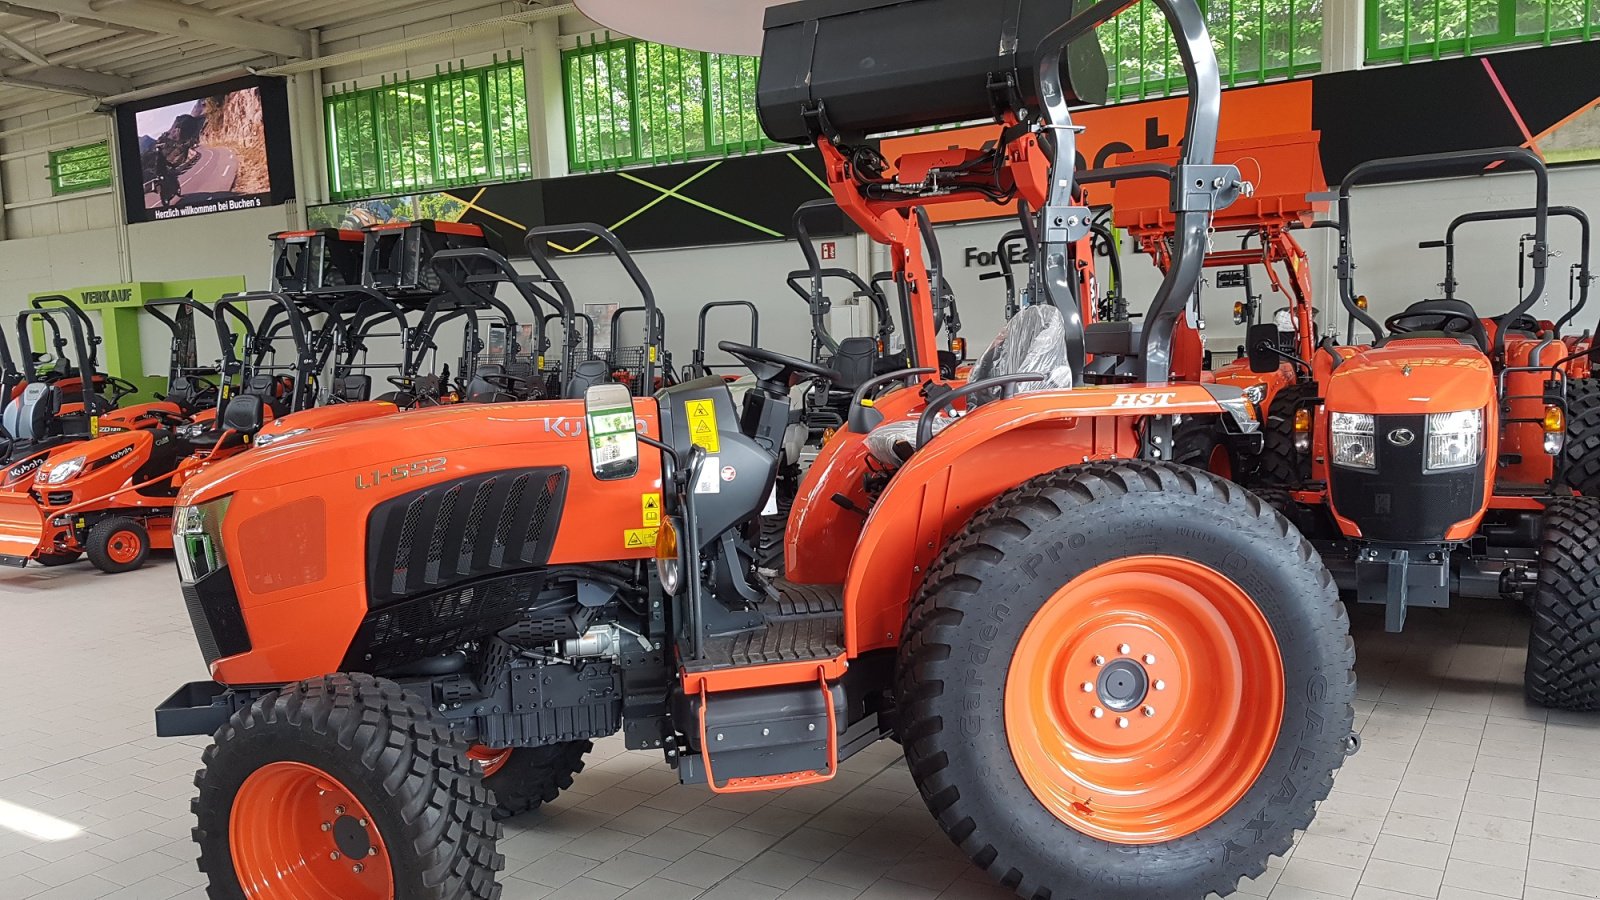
x=613 y=431
x=1261 y=346
x=244 y=415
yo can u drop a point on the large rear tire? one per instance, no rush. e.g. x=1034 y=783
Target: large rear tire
x=1563 y=668
x=343 y=788
x=1033 y=725
x=525 y=778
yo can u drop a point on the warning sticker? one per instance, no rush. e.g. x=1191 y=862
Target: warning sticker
x=702 y=416
x=639 y=538
x=651 y=516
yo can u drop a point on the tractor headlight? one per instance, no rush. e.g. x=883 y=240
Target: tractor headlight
x=1354 y=446
x=1455 y=440
x=669 y=564
x=197 y=537
x=267 y=440
x=62 y=472
x=1255 y=393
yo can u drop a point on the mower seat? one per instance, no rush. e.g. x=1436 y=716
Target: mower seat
x=352 y=389
x=183 y=391
x=270 y=391
x=1477 y=334
x=855 y=362
x=28 y=417
x=586 y=375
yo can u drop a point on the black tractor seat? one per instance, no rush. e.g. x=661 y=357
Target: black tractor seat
x=1477 y=335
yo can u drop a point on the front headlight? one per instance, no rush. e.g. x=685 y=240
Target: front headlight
x=197 y=537
x=669 y=564
x=1353 y=443
x=267 y=440
x=1255 y=393
x=62 y=472
x=1455 y=440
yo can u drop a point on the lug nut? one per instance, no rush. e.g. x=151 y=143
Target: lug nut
x=1124 y=649
x=1099 y=660
x=1088 y=687
x=373 y=851
x=338 y=810
x=358 y=868
x=333 y=855
x=326 y=827
x=1122 y=722
x=362 y=822
x=1149 y=711
x=1149 y=659
x=1097 y=712
x=1161 y=685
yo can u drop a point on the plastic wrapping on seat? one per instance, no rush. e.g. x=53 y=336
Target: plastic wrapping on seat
x=1035 y=340
x=892 y=443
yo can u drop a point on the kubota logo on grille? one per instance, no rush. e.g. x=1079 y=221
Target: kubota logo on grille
x=1402 y=437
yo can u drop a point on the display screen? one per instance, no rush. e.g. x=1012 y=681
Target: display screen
x=212 y=149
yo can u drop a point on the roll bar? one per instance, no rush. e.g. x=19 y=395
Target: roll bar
x=259 y=337
x=80 y=345
x=1437 y=164
x=586 y=339
x=945 y=314
x=1002 y=251
x=92 y=361
x=1498 y=215
x=536 y=243
x=371 y=309
x=699 y=361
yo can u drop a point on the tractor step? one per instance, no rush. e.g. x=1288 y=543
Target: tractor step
x=804 y=622
x=804 y=600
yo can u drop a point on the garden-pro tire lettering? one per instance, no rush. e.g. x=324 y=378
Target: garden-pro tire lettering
x=1005 y=566
x=1563 y=668
x=396 y=758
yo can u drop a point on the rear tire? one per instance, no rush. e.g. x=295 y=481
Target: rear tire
x=530 y=777
x=1563 y=669
x=406 y=790
x=1198 y=441
x=1581 y=455
x=972 y=621
x=117 y=545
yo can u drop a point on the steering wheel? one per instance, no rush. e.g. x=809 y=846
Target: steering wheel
x=774 y=371
x=1443 y=320
x=120 y=387
x=511 y=384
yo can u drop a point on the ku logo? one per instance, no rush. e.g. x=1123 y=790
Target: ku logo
x=564 y=426
x=1402 y=437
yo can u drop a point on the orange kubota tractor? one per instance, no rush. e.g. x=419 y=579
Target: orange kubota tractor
x=1113 y=675
x=1430 y=463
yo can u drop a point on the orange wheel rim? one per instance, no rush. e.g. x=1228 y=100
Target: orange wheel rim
x=490 y=759
x=1144 y=699
x=124 y=547
x=296 y=833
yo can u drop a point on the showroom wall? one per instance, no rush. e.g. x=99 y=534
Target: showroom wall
x=55 y=242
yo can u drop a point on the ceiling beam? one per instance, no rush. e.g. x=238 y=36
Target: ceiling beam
x=22 y=50
x=181 y=20
x=63 y=80
x=49 y=14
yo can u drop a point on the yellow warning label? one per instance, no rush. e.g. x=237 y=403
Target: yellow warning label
x=638 y=538
x=652 y=509
x=702 y=416
x=652 y=354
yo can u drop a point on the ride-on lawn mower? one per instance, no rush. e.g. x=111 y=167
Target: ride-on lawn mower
x=1114 y=676
x=1430 y=463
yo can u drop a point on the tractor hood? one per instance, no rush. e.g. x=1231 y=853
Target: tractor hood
x=1412 y=376
x=385 y=448
x=71 y=462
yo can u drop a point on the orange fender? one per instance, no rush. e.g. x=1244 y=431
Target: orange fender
x=991 y=450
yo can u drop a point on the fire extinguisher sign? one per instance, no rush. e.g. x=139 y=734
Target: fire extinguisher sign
x=830 y=249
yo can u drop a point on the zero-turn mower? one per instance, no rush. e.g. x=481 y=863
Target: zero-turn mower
x=1113 y=676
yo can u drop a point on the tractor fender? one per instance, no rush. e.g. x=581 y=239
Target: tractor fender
x=985 y=453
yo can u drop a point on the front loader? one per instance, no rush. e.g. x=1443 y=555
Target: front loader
x=1113 y=676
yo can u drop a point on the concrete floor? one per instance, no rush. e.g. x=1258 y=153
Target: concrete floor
x=1460 y=791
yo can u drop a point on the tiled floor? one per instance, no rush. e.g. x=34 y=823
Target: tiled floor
x=1460 y=791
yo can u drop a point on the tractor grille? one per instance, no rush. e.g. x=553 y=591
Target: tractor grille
x=215 y=615
x=459 y=531
x=1397 y=501
x=408 y=630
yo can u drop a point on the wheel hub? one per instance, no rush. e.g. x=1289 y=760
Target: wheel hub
x=350 y=835
x=1123 y=685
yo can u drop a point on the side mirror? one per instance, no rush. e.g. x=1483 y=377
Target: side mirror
x=1260 y=345
x=244 y=415
x=613 y=431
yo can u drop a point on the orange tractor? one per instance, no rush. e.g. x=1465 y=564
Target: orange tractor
x=1432 y=462
x=1113 y=676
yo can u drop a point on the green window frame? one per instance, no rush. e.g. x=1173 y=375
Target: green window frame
x=631 y=102
x=459 y=126
x=1256 y=40
x=1408 y=30
x=82 y=168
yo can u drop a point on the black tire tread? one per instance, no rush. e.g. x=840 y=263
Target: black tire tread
x=534 y=776
x=1278 y=463
x=1563 y=668
x=1581 y=455
x=955 y=574
x=97 y=542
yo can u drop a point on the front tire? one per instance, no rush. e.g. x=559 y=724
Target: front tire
x=1563 y=668
x=525 y=778
x=117 y=545
x=1581 y=454
x=343 y=788
x=1238 y=695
